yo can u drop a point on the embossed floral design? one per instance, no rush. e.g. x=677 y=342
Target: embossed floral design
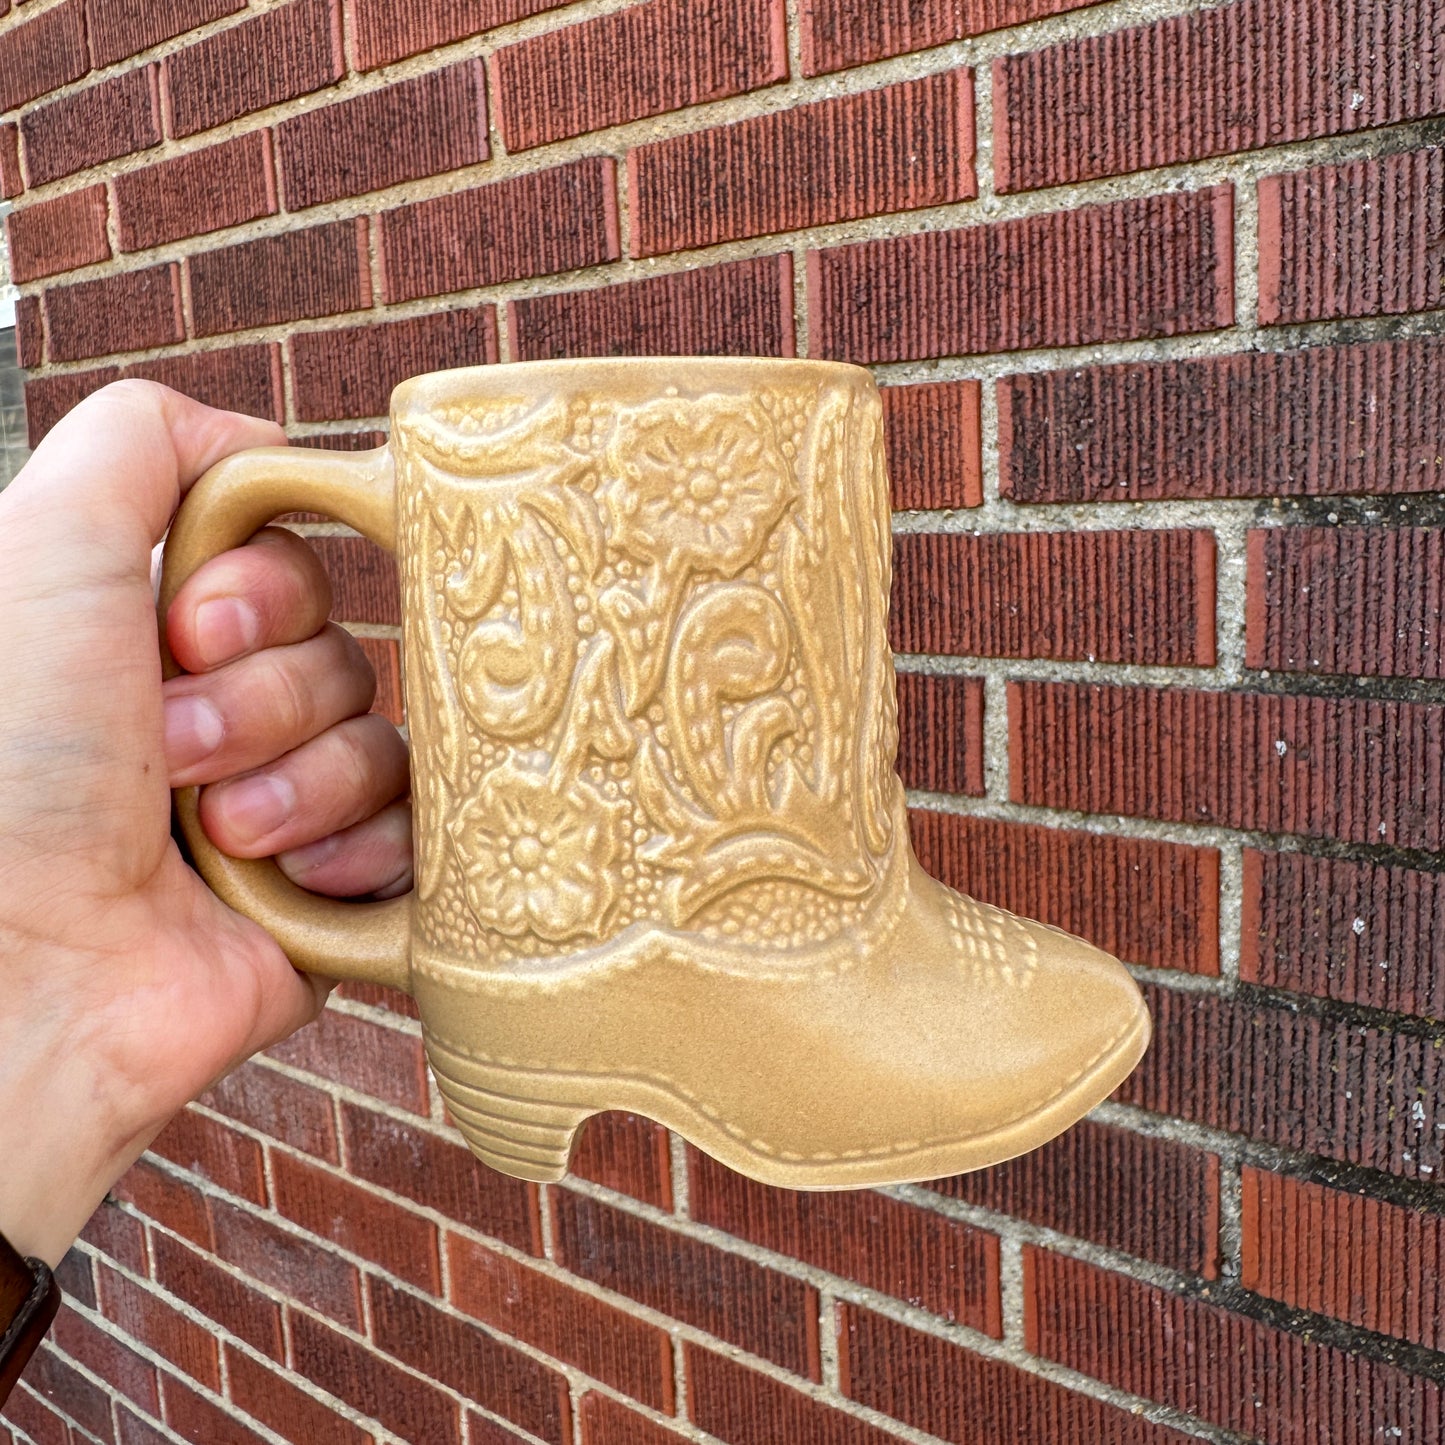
x=539 y=859
x=694 y=485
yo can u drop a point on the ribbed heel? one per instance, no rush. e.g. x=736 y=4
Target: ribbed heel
x=521 y=1137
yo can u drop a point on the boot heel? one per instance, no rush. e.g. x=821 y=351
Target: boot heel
x=527 y=1139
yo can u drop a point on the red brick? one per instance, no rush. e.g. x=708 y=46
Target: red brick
x=479 y=1367
x=168 y=1201
x=12 y=182
x=48 y=398
x=131 y=311
x=118 y=28
x=1337 y=767
x=70 y=1392
x=1157 y=266
x=899 y=148
x=1290 y=1077
x=29 y=332
x=940 y=1264
x=1226 y=1369
x=1358 y=932
x=351 y=372
x=349 y=441
x=1142 y=596
x=644 y=60
x=384 y=654
x=603 y=1421
x=364 y=588
x=839 y=34
x=934 y=441
x=1297 y=423
x=40 y=55
x=1233 y=78
x=205 y=1147
x=48 y=237
x=375 y=994
x=744 y=308
x=1087 y=1183
x=202 y=191
x=359 y=1221
x=356 y=1052
x=940 y=726
x=290 y=1263
x=195 y=1418
x=532 y=225
x=1354 y=240
x=220 y=1296
x=280 y=1107
x=944 y=1389
x=135 y=1431
x=767 y=1313
x=41 y=1424
x=441 y=1175
x=97 y=1348
x=235 y=378
x=561 y=1321
x=1377 y=1265
x=286 y=52
x=97 y=124
x=386 y=30
x=419 y=127
x=628 y=1153
x=285 y=1408
x=160 y=1327
x=1142 y=900
x=314 y=272
x=482 y=1431
x=1357 y=600
x=76 y=1278
x=117 y=1234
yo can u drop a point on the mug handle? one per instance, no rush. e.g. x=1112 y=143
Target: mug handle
x=224 y=509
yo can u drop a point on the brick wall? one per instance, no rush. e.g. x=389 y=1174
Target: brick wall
x=1154 y=289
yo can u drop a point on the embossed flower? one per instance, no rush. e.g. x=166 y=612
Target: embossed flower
x=694 y=484
x=538 y=859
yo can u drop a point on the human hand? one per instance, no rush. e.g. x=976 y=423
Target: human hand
x=127 y=986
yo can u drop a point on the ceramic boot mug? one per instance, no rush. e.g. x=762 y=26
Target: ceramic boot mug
x=662 y=854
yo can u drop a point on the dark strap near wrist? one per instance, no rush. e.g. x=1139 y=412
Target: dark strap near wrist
x=29 y=1299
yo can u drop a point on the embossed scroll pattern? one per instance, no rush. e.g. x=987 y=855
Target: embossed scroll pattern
x=654 y=696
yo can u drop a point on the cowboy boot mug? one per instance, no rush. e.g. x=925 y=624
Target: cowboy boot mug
x=662 y=854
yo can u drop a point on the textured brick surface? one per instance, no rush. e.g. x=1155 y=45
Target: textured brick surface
x=204 y=190
x=31 y=1414
x=1359 y=932
x=87 y=1404
x=642 y=60
x=171 y=1202
x=39 y=54
x=1140 y=899
x=628 y=1153
x=118 y=28
x=286 y=52
x=48 y=398
x=1233 y=1371
x=364 y=584
x=12 y=182
x=1089 y=1183
x=1299 y=423
x=117 y=1234
x=1349 y=768
x=555 y=220
x=1230 y=78
x=598 y=1338
x=1345 y=1091
x=1355 y=240
x=1141 y=596
x=281 y=1107
x=894 y=149
x=219 y=1154
x=96 y=124
x=603 y=1421
x=220 y=1296
x=1359 y=600
x=160 y=1327
x=933 y=436
x=29 y=332
x=385 y=30
x=356 y=1052
x=193 y=1417
x=418 y=127
x=314 y=272
x=384 y=654
x=58 y=235
x=236 y=378
x=131 y=311
x=841 y=33
x=284 y=1407
x=743 y=308
x=129 y=1374
x=768 y=1313
x=944 y=1265
x=940 y=732
x=1377 y=1265
x=351 y=372
x=1158 y=266
x=892 y=1368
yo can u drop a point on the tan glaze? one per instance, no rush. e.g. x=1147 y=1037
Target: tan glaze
x=662 y=853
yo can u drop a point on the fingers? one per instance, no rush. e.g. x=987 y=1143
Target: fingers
x=372 y=857
x=269 y=593
x=250 y=712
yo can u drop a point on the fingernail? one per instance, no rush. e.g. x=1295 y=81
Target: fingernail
x=225 y=628
x=193 y=730
x=257 y=806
